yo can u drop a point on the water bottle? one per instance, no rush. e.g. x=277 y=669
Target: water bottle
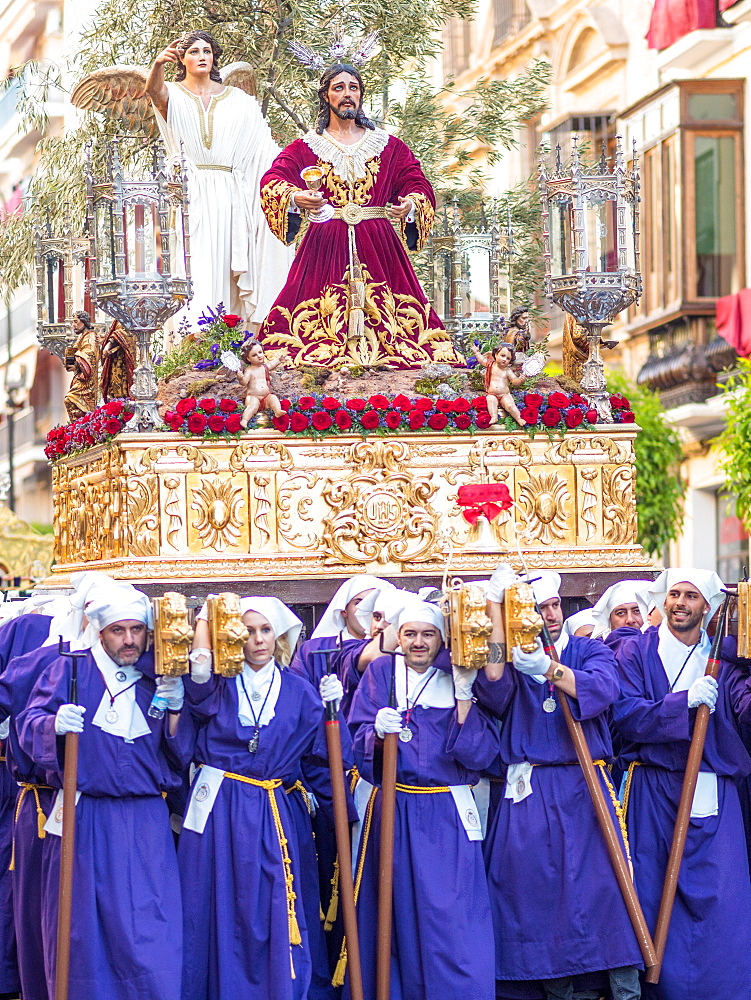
x=158 y=706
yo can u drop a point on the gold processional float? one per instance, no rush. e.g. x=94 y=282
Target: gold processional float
x=294 y=515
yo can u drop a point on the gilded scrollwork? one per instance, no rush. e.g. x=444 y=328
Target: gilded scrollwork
x=240 y=459
x=544 y=499
x=288 y=518
x=564 y=451
x=150 y=458
x=618 y=505
x=263 y=507
x=142 y=516
x=172 y=635
x=173 y=510
x=219 y=503
x=589 y=502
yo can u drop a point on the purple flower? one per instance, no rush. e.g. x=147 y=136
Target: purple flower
x=214 y=350
x=201 y=365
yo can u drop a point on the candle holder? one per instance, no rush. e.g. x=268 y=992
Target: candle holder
x=60 y=262
x=137 y=228
x=590 y=220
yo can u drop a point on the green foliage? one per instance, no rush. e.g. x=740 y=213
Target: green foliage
x=735 y=440
x=659 y=487
x=202 y=350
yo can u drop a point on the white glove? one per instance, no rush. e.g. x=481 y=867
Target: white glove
x=200 y=665
x=172 y=690
x=203 y=614
x=330 y=688
x=4 y=729
x=463 y=681
x=531 y=663
x=69 y=719
x=502 y=577
x=703 y=692
x=387 y=720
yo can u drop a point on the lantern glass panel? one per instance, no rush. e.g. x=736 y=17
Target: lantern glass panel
x=141 y=225
x=561 y=237
x=442 y=284
x=627 y=215
x=601 y=233
x=476 y=289
x=105 y=239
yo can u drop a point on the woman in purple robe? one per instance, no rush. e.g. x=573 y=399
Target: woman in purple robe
x=126 y=935
x=442 y=944
x=240 y=852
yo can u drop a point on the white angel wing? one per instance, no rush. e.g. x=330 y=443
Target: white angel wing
x=241 y=75
x=119 y=92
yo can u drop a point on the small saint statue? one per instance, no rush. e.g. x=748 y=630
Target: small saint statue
x=118 y=357
x=255 y=379
x=82 y=358
x=499 y=377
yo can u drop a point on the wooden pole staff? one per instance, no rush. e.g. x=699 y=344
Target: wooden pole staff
x=612 y=841
x=680 y=832
x=386 y=856
x=68 y=839
x=343 y=843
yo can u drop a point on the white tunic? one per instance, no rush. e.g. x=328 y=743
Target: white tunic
x=235 y=258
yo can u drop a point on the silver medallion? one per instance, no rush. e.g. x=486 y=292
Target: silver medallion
x=405 y=735
x=256 y=696
x=549 y=705
x=253 y=744
x=121 y=676
x=111 y=716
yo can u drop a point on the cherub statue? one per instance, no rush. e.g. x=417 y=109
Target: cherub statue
x=82 y=358
x=255 y=378
x=211 y=120
x=499 y=377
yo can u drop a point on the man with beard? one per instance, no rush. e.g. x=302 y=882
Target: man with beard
x=708 y=952
x=126 y=934
x=352 y=294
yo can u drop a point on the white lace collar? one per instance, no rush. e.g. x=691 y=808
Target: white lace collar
x=349 y=162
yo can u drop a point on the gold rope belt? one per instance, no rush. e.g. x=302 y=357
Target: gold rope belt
x=421 y=790
x=212 y=166
x=352 y=213
x=26 y=787
x=269 y=785
x=299 y=787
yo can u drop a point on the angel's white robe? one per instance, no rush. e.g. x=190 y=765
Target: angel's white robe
x=235 y=258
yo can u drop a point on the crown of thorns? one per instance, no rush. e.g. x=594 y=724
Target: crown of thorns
x=356 y=54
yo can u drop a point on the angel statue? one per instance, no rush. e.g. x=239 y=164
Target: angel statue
x=214 y=121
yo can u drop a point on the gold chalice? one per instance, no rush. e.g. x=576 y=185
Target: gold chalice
x=313 y=177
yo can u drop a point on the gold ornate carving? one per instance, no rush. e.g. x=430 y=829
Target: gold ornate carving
x=219 y=503
x=228 y=634
x=543 y=499
x=263 y=508
x=522 y=622
x=185 y=453
x=173 y=510
x=287 y=519
x=618 y=506
x=469 y=626
x=589 y=502
x=381 y=511
x=142 y=516
x=172 y=634
x=563 y=451
x=241 y=456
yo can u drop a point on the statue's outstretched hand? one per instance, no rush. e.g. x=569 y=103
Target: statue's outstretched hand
x=402 y=210
x=168 y=55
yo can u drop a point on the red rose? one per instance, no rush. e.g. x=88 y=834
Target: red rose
x=551 y=416
x=462 y=405
x=379 y=402
x=298 y=422
x=185 y=406
x=321 y=421
x=480 y=403
x=423 y=403
x=392 y=419
x=286 y=404
x=573 y=418
x=533 y=399
x=112 y=426
x=558 y=400
x=482 y=420
x=227 y=405
x=591 y=416
x=207 y=404
x=216 y=423
x=437 y=421
x=401 y=402
x=197 y=423
x=529 y=413
x=576 y=398
x=342 y=420
x=114 y=408
x=444 y=405
x=626 y=417
x=233 y=423
x=462 y=421
x=358 y=405
x=618 y=402
x=416 y=420
x=281 y=423
x=230 y=320
x=306 y=402
x=370 y=420
x=329 y=403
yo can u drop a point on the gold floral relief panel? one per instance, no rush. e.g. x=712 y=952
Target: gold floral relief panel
x=174 y=515
x=546 y=512
x=217 y=513
x=589 y=504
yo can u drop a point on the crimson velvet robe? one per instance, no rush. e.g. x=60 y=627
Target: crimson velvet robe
x=310 y=318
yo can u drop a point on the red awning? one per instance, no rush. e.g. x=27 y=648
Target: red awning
x=734 y=321
x=672 y=19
